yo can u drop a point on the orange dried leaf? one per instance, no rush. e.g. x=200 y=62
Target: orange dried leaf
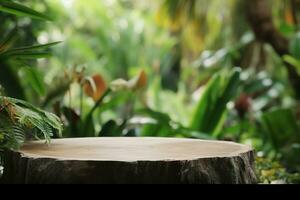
x=95 y=87
x=142 y=80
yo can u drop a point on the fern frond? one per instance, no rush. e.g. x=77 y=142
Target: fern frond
x=20 y=120
x=12 y=137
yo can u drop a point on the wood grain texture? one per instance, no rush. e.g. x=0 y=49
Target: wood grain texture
x=131 y=160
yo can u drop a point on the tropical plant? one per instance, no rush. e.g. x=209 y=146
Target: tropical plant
x=207 y=116
x=183 y=50
x=19 y=119
x=13 y=57
x=105 y=97
x=210 y=111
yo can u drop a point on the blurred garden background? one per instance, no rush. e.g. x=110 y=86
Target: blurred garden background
x=218 y=69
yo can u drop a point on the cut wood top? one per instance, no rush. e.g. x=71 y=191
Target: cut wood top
x=132 y=149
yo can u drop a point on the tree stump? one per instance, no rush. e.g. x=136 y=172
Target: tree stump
x=131 y=161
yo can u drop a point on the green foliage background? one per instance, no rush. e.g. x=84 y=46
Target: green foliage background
x=189 y=50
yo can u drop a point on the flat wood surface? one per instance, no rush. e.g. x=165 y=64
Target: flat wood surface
x=130 y=161
x=132 y=149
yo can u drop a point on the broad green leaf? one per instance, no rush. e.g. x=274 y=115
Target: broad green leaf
x=189 y=133
x=112 y=129
x=231 y=88
x=160 y=127
x=209 y=113
x=157 y=130
x=161 y=117
x=164 y=126
x=204 y=105
x=281 y=126
x=35 y=80
x=20 y=10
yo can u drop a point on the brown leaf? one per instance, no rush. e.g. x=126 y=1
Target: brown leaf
x=141 y=81
x=95 y=87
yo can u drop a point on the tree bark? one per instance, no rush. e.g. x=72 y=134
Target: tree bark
x=131 y=161
x=260 y=18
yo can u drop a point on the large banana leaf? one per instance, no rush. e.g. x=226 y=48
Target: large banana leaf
x=210 y=111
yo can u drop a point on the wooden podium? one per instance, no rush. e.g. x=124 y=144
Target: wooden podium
x=131 y=161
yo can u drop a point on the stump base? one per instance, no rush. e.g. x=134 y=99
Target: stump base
x=131 y=160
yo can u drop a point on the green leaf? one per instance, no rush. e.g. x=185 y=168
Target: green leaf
x=20 y=10
x=32 y=48
x=35 y=80
x=157 y=130
x=293 y=61
x=194 y=134
x=295 y=46
x=282 y=127
x=164 y=126
x=160 y=117
x=204 y=106
x=19 y=119
x=112 y=129
x=209 y=113
x=160 y=127
x=8 y=41
x=29 y=52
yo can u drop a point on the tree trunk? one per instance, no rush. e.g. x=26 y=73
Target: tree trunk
x=131 y=161
x=260 y=18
